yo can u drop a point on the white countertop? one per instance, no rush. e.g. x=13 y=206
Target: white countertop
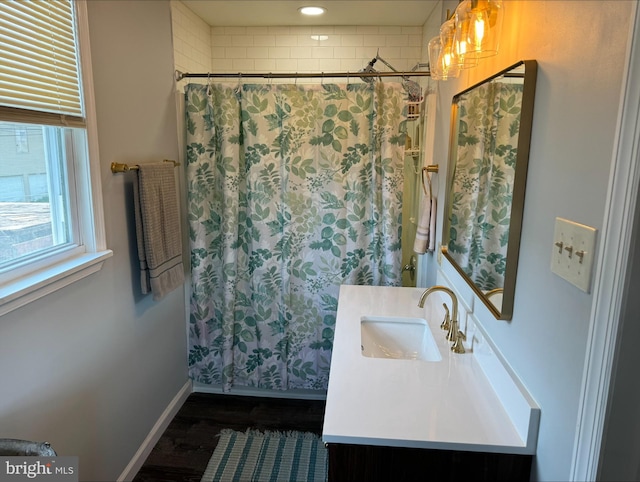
x=449 y=404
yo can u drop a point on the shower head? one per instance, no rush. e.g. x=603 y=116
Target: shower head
x=369 y=70
x=413 y=89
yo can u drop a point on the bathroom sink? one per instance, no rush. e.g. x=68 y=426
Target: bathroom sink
x=398 y=338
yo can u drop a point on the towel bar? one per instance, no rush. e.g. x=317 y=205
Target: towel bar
x=123 y=167
x=427 y=170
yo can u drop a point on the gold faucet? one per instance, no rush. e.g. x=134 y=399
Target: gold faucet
x=453 y=334
x=493 y=292
x=454 y=300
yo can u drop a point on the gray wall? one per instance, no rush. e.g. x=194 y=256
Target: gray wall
x=620 y=458
x=91 y=367
x=580 y=48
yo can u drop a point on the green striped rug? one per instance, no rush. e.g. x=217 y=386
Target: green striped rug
x=267 y=456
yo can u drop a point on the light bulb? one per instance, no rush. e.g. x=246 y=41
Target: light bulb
x=478 y=28
x=479 y=31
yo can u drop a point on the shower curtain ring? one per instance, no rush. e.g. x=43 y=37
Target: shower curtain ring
x=322 y=79
x=295 y=82
x=239 y=86
x=348 y=77
x=208 y=83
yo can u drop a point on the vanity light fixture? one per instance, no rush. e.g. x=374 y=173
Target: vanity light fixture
x=478 y=27
x=471 y=33
x=453 y=48
x=320 y=37
x=311 y=10
x=444 y=65
x=447 y=63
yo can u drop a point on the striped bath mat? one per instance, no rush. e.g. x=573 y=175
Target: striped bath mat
x=254 y=456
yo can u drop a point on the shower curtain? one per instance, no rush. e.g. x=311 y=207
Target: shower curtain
x=292 y=191
x=483 y=181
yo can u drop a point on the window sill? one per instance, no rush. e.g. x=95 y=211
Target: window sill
x=36 y=285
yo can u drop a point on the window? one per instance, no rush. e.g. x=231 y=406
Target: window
x=51 y=230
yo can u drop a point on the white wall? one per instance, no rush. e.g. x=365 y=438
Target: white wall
x=427 y=265
x=91 y=367
x=581 y=55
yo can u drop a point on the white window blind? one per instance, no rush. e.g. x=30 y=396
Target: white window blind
x=39 y=73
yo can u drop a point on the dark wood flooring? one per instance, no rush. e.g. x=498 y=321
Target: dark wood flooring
x=183 y=451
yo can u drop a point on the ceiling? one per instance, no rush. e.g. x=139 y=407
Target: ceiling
x=339 y=12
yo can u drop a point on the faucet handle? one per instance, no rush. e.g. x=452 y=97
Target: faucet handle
x=458 y=345
x=446 y=323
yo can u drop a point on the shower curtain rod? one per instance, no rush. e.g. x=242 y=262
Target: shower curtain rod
x=299 y=75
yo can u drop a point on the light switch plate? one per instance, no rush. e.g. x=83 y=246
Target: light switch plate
x=573 y=252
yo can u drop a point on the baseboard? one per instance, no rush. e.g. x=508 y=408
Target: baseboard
x=156 y=432
x=261 y=392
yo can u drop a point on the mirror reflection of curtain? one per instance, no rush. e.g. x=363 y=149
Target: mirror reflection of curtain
x=483 y=181
x=292 y=191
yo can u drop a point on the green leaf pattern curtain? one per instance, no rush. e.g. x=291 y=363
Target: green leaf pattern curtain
x=292 y=191
x=483 y=180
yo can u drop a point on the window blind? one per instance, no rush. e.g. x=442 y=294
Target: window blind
x=39 y=72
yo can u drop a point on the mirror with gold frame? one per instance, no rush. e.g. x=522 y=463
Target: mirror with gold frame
x=488 y=158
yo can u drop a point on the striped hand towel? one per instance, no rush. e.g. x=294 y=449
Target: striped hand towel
x=426 y=229
x=158 y=229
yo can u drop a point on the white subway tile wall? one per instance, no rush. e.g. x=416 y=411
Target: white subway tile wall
x=200 y=48
x=191 y=40
x=313 y=49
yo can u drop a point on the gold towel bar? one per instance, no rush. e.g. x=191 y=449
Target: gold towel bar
x=120 y=167
x=427 y=170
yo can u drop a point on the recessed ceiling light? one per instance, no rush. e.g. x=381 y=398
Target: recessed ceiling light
x=312 y=10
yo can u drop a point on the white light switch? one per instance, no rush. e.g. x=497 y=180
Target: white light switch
x=573 y=252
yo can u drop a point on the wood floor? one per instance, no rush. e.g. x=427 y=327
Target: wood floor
x=183 y=451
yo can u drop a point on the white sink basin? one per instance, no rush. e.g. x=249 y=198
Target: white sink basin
x=398 y=338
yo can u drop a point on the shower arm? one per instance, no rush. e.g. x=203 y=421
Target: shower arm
x=415 y=68
x=385 y=63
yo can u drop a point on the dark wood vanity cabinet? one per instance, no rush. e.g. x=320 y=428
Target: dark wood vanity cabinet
x=359 y=463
